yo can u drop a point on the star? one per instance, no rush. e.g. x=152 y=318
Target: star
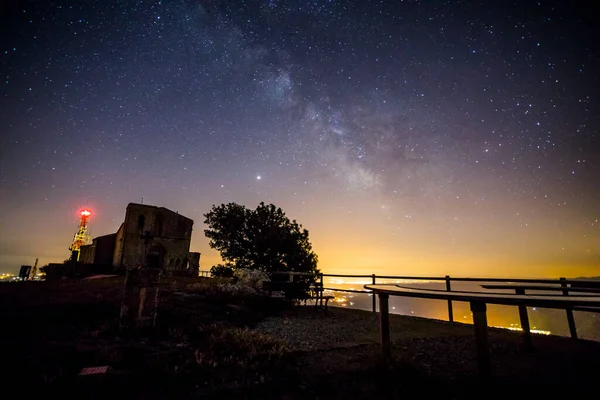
x=367 y=103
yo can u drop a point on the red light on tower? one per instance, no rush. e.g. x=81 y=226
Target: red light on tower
x=85 y=213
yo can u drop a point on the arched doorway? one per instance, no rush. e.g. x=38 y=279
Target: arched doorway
x=155 y=257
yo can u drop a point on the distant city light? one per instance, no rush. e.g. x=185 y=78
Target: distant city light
x=519 y=329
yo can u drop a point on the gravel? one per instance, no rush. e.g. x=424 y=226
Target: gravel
x=304 y=328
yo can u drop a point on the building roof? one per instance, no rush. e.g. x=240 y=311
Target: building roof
x=105 y=236
x=158 y=208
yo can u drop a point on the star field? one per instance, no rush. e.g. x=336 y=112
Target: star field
x=409 y=137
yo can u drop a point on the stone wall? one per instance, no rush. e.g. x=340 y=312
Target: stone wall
x=118 y=253
x=194 y=267
x=104 y=248
x=155 y=237
x=99 y=252
x=87 y=253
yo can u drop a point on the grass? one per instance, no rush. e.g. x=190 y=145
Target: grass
x=53 y=329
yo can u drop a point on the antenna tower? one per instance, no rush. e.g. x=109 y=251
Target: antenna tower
x=81 y=237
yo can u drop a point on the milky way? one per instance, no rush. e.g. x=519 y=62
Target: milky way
x=406 y=136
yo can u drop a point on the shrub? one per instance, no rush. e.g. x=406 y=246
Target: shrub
x=240 y=347
x=221 y=271
x=251 y=277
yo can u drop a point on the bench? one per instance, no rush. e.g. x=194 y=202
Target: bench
x=301 y=291
x=317 y=291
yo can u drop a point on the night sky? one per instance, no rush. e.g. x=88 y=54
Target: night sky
x=415 y=137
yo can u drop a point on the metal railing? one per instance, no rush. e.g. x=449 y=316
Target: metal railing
x=564 y=283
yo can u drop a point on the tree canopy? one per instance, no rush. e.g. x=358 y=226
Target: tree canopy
x=262 y=239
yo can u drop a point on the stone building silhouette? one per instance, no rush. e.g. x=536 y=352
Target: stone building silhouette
x=100 y=251
x=149 y=237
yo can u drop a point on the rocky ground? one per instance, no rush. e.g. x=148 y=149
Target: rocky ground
x=432 y=352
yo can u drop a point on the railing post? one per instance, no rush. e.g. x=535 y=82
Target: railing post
x=524 y=322
x=481 y=338
x=320 y=291
x=373 y=299
x=291 y=277
x=449 y=289
x=570 y=318
x=384 y=326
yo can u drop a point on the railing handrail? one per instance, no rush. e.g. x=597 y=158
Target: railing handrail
x=348 y=290
x=466 y=279
x=444 y=278
x=292 y=273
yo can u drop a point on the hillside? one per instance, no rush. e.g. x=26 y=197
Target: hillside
x=210 y=343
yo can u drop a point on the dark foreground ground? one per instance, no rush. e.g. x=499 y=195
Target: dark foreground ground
x=211 y=344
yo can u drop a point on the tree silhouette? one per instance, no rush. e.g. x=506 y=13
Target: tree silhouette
x=263 y=239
